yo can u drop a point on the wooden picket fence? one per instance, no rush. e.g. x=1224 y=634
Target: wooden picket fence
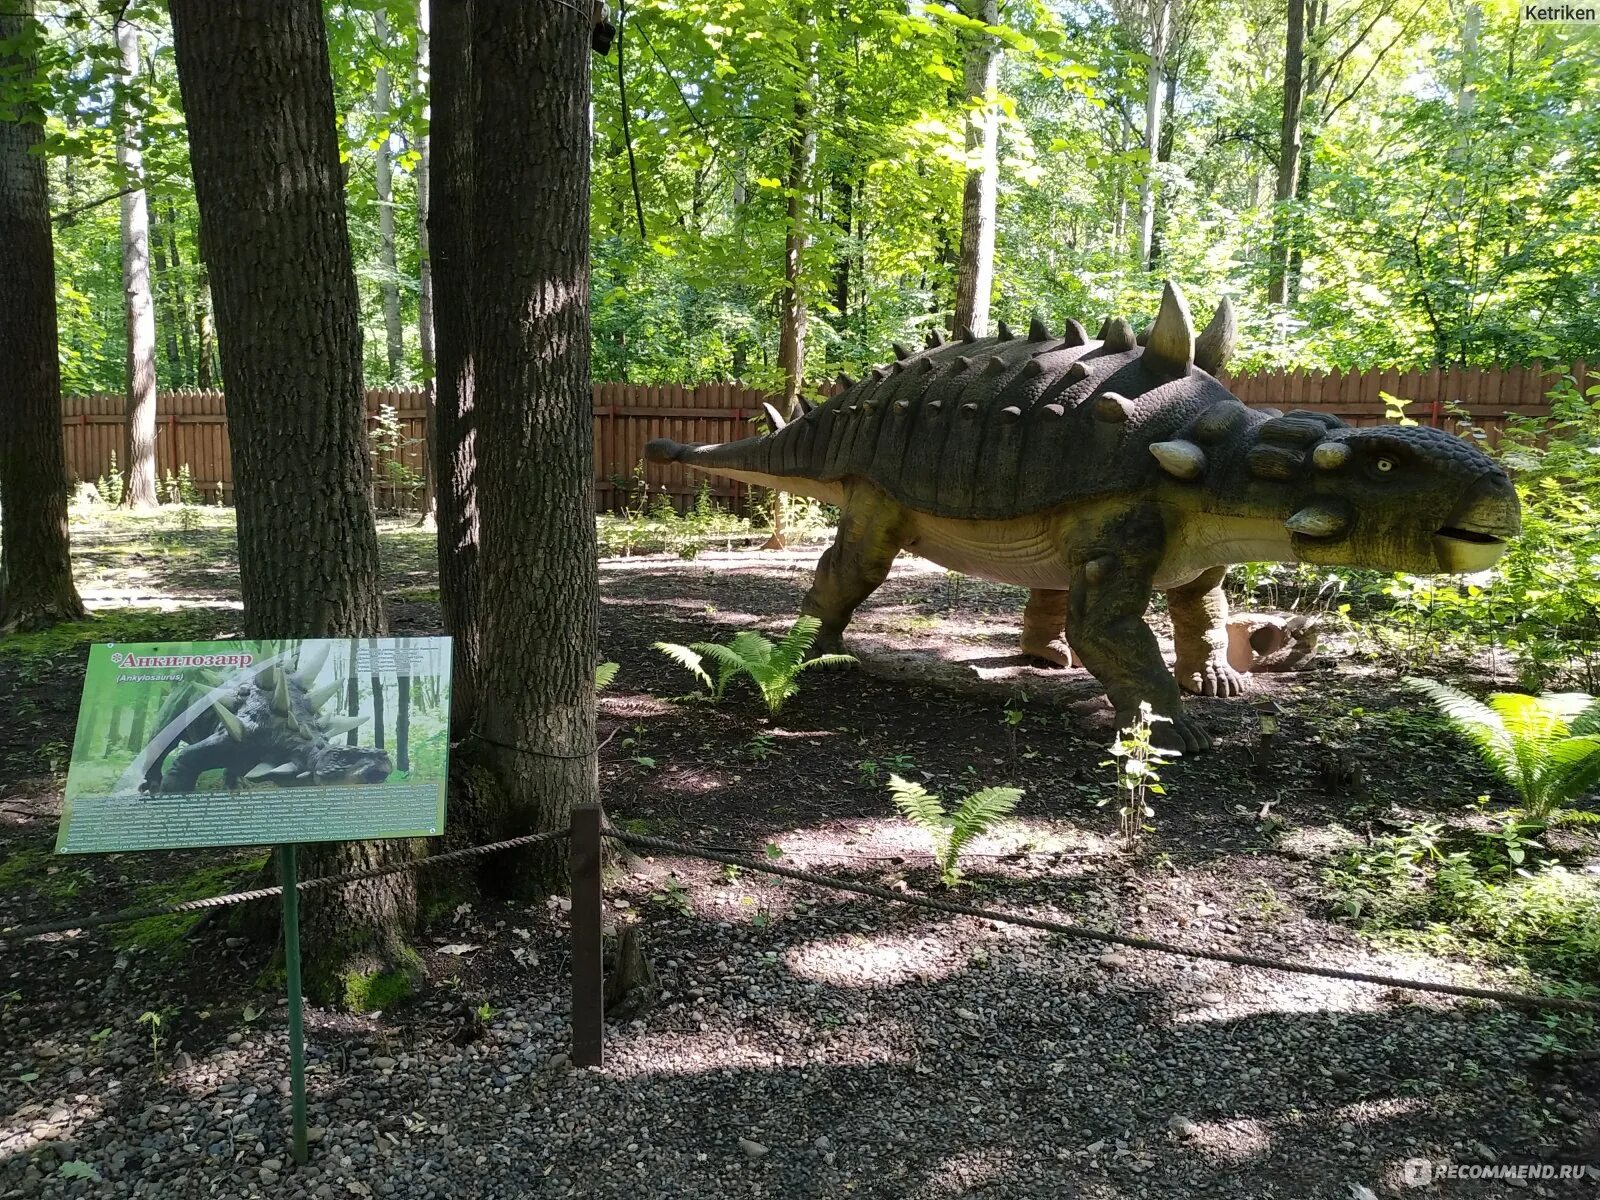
x=192 y=426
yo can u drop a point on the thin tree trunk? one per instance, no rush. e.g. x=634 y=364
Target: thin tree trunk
x=390 y=286
x=1294 y=54
x=180 y=306
x=205 y=342
x=455 y=294
x=36 y=588
x=264 y=148
x=141 y=717
x=1169 y=105
x=1155 y=72
x=402 y=713
x=975 y=272
x=169 y=314
x=377 y=696
x=420 y=85
x=796 y=240
x=532 y=753
x=138 y=305
x=352 y=690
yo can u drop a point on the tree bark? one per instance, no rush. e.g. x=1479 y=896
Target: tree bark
x=1294 y=56
x=532 y=753
x=402 y=713
x=166 y=307
x=455 y=296
x=420 y=85
x=1160 y=37
x=138 y=305
x=205 y=342
x=36 y=588
x=180 y=294
x=796 y=241
x=273 y=232
x=384 y=171
x=975 y=270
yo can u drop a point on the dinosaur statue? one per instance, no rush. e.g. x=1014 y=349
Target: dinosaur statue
x=267 y=728
x=1092 y=471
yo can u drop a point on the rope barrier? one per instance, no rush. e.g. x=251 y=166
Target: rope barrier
x=123 y=916
x=1517 y=999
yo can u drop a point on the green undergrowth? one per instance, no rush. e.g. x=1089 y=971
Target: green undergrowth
x=165 y=935
x=117 y=625
x=375 y=991
x=41 y=873
x=1494 y=896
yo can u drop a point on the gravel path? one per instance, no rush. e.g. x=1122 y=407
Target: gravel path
x=812 y=1046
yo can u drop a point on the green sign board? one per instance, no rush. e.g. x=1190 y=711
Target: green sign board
x=246 y=743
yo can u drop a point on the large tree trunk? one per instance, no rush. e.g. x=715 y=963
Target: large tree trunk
x=532 y=753
x=455 y=294
x=1294 y=57
x=975 y=272
x=272 y=227
x=36 y=587
x=425 y=273
x=384 y=171
x=138 y=306
x=1155 y=79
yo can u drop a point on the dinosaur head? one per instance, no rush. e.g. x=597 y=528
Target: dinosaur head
x=1392 y=498
x=352 y=764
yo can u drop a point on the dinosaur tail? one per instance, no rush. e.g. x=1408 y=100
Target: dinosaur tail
x=747 y=454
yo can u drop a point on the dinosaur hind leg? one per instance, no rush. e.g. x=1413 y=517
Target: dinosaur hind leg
x=871 y=533
x=1044 y=624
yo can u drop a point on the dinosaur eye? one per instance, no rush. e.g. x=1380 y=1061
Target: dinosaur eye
x=1385 y=464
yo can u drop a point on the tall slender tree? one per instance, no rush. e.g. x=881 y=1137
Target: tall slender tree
x=273 y=232
x=383 y=170
x=421 y=176
x=138 y=305
x=975 y=264
x=36 y=588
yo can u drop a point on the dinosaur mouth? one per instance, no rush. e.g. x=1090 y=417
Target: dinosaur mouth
x=1476 y=537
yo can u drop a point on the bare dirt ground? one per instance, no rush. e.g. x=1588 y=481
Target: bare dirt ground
x=807 y=1043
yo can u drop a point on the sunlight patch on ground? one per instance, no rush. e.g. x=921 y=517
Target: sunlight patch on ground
x=879 y=961
x=669 y=1053
x=1234 y=1141
x=966 y=1172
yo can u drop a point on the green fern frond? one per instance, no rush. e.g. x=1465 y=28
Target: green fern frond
x=1586 y=719
x=686 y=658
x=730 y=664
x=604 y=674
x=749 y=645
x=978 y=814
x=792 y=650
x=1574 y=769
x=919 y=806
x=1479 y=724
x=828 y=660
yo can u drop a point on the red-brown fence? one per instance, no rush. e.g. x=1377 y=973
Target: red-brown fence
x=192 y=426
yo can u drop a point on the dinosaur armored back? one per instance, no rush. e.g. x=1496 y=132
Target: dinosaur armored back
x=1095 y=470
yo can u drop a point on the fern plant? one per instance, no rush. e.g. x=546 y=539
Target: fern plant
x=1546 y=748
x=774 y=668
x=951 y=832
x=604 y=674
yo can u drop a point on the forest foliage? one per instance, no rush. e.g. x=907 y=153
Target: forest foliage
x=1447 y=208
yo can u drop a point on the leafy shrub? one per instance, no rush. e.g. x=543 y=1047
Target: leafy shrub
x=110 y=485
x=952 y=832
x=774 y=669
x=1138 y=763
x=1545 y=748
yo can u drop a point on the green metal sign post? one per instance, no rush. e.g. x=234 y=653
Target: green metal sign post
x=290 y=874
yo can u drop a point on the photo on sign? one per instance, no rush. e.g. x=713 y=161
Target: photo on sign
x=246 y=742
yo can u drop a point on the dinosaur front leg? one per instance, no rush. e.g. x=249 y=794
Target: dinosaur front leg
x=1110 y=593
x=1199 y=613
x=871 y=528
x=218 y=750
x=1044 y=623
